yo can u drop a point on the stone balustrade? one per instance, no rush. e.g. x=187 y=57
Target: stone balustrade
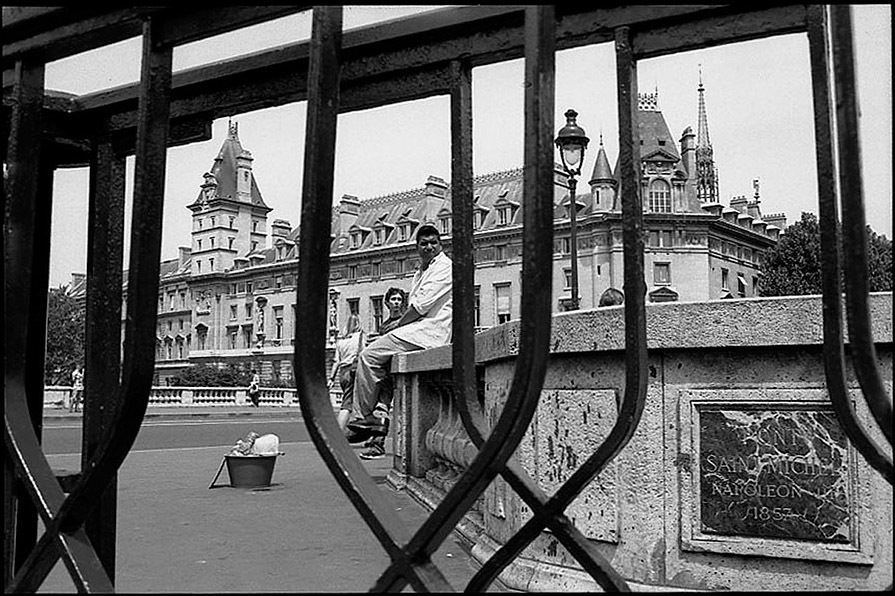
x=59 y=396
x=738 y=476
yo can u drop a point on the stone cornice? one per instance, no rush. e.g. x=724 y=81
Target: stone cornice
x=717 y=324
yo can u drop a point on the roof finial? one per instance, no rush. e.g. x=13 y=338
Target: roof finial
x=700 y=75
x=232 y=128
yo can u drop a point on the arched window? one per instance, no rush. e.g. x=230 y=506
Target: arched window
x=659 y=197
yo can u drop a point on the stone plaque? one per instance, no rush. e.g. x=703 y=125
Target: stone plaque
x=774 y=473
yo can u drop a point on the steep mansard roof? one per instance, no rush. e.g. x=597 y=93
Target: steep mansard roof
x=490 y=192
x=224 y=170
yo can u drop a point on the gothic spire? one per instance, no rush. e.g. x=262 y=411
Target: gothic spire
x=706 y=173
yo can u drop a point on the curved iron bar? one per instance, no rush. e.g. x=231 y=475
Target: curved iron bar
x=464 y=392
x=20 y=438
x=854 y=225
x=834 y=351
x=311 y=299
x=530 y=367
x=139 y=356
x=635 y=347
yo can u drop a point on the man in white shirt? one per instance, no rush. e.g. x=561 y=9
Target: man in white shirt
x=425 y=324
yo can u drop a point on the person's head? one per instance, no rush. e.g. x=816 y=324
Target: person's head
x=394 y=300
x=428 y=243
x=611 y=297
x=352 y=325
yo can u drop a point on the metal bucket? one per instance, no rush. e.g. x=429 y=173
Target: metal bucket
x=250 y=471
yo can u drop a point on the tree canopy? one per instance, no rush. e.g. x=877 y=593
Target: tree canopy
x=793 y=267
x=203 y=375
x=65 y=336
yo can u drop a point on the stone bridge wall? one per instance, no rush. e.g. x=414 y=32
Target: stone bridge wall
x=737 y=478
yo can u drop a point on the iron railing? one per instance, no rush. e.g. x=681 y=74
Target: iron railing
x=420 y=56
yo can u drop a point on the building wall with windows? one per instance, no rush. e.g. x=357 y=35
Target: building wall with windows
x=230 y=297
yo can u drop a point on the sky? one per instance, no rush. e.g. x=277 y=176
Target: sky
x=757 y=94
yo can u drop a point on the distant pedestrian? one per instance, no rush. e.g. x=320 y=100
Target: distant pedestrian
x=77 y=389
x=255 y=389
x=396 y=301
x=345 y=367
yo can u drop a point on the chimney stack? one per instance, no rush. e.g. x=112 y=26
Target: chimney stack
x=688 y=151
x=280 y=228
x=349 y=209
x=183 y=255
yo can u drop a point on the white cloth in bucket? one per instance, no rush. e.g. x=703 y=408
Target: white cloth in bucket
x=266 y=445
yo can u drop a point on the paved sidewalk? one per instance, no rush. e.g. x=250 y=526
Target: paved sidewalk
x=299 y=535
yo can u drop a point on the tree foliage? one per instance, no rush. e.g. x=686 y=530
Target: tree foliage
x=793 y=267
x=203 y=375
x=65 y=336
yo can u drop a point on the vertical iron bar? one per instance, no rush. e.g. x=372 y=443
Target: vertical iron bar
x=29 y=182
x=632 y=406
x=311 y=307
x=35 y=359
x=102 y=351
x=854 y=225
x=143 y=279
x=537 y=257
x=834 y=352
x=19 y=229
x=462 y=249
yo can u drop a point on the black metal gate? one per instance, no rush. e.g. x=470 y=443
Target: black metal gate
x=420 y=56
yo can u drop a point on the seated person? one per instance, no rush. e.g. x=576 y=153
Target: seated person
x=396 y=301
x=425 y=324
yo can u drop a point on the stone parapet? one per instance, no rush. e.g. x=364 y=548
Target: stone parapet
x=737 y=477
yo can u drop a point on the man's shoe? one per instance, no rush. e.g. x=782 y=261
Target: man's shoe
x=373 y=426
x=374 y=452
x=356 y=436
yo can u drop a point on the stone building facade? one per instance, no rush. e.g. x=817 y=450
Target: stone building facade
x=230 y=297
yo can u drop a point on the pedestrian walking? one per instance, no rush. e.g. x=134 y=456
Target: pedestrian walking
x=345 y=367
x=77 y=389
x=255 y=389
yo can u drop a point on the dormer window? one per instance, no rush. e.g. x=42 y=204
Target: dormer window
x=404 y=232
x=478 y=219
x=503 y=216
x=444 y=224
x=378 y=236
x=355 y=240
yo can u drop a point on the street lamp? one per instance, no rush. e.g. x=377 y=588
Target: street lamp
x=571 y=142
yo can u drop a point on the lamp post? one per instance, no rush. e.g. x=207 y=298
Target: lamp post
x=571 y=142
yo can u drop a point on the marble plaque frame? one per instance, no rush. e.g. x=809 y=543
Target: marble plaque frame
x=859 y=550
